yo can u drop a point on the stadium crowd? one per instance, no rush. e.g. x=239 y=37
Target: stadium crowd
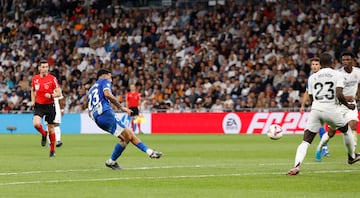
x=184 y=58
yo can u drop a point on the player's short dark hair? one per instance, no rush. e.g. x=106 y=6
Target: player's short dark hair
x=347 y=53
x=317 y=59
x=102 y=72
x=42 y=61
x=325 y=60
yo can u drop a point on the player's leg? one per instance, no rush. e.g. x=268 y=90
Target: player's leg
x=137 y=125
x=323 y=141
x=49 y=118
x=353 y=126
x=108 y=123
x=134 y=124
x=57 y=122
x=349 y=144
x=38 y=115
x=118 y=149
x=38 y=126
x=325 y=149
x=131 y=137
x=137 y=121
x=341 y=121
x=351 y=117
x=312 y=127
x=57 y=130
x=132 y=120
x=52 y=140
x=301 y=151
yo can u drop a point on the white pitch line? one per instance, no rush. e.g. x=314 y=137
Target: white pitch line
x=154 y=167
x=50 y=171
x=136 y=168
x=166 y=177
x=312 y=163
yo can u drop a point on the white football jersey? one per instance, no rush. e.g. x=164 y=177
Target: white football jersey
x=322 y=87
x=351 y=81
x=57 y=109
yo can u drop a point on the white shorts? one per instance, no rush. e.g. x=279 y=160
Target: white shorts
x=350 y=114
x=334 y=117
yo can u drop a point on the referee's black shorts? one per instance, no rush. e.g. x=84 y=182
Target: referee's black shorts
x=47 y=110
x=135 y=111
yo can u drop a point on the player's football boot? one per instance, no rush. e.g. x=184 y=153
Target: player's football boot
x=294 y=171
x=318 y=155
x=353 y=160
x=43 y=140
x=325 y=151
x=112 y=165
x=52 y=154
x=155 y=155
x=59 y=143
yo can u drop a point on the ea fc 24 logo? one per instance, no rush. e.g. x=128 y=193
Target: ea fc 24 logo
x=231 y=124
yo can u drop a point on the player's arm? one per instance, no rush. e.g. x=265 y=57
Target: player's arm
x=57 y=93
x=340 y=96
x=126 y=100
x=303 y=101
x=113 y=100
x=310 y=96
x=32 y=96
x=62 y=102
x=358 y=93
x=139 y=104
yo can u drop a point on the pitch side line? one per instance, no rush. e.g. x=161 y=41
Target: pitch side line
x=312 y=163
x=154 y=167
x=168 y=177
x=130 y=168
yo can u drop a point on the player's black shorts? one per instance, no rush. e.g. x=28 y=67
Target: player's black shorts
x=47 y=110
x=135 y=111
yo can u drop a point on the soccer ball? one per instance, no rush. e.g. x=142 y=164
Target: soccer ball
x=275 y=132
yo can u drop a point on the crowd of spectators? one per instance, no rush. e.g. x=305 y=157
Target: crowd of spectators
x=185 y=58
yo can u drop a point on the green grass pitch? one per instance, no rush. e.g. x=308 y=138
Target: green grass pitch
x=192 y=166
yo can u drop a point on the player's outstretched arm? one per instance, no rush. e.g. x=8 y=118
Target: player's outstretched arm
x=114 y=101
x=340 y=96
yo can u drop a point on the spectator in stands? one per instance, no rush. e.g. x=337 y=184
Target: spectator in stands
x=4 y=90
x=203 y=52
x=218 y=106
x=229 y=105
x=14 y=98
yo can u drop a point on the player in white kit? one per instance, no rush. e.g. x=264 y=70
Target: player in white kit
x=352 y=81
x=325 y=91
x=59 y=109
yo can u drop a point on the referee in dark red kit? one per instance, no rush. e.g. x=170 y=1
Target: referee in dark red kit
x=133 y=102
x=44 y=88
